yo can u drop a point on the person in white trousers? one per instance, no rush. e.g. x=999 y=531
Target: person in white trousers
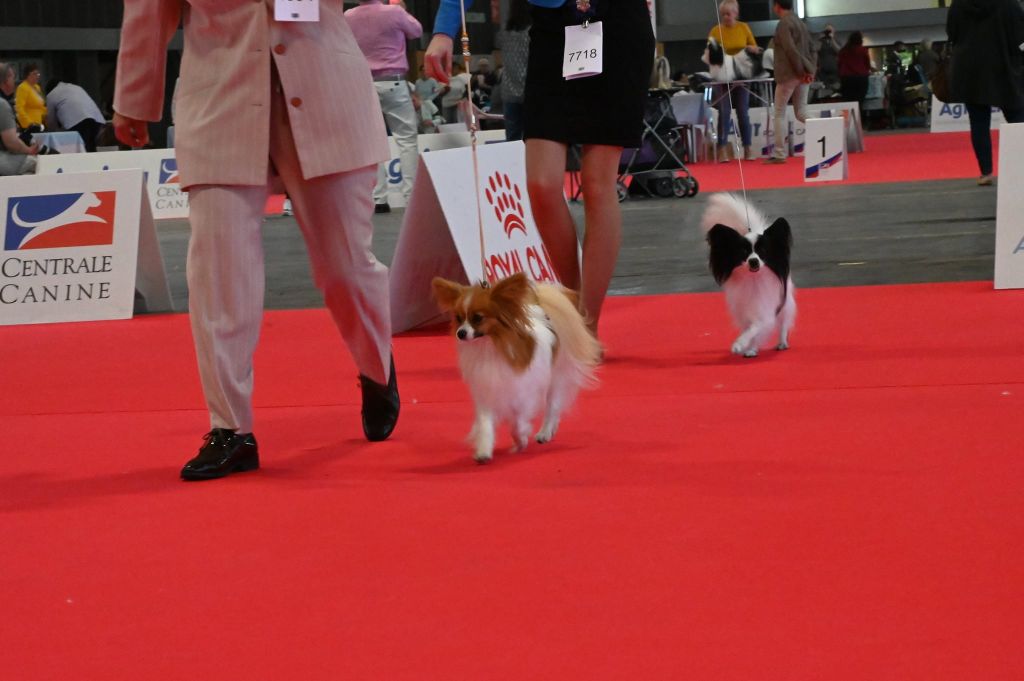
x=258 y=94
x=382 y=31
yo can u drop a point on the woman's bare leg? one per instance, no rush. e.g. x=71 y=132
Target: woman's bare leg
x=603 y=235
x=545 y=181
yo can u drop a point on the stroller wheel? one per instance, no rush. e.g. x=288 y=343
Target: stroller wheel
x=664 y=187
x=622 y=191
x=694 y=186
x=680 y=187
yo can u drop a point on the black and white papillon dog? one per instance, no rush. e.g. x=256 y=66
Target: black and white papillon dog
x=752 y=267
x=744 y=65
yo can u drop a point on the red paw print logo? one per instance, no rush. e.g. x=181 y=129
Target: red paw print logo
x=507 y=200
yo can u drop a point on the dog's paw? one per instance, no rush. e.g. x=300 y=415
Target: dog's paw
x=750 y=353
x=738 y=348
x=483 y=457
x=518 y=447
x=544 y=437
x=782 y=346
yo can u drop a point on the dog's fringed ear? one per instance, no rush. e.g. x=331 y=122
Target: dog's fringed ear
x=446 y=293
x=780 y=233
x=514 y=289
x=778 y=239
x=728 y=249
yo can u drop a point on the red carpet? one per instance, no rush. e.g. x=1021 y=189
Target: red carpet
x=849 y=509
x=906 y=157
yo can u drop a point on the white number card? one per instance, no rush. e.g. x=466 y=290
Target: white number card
x=584 y=51
x=297 y=10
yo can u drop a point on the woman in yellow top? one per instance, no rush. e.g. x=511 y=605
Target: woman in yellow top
x=29 y=103
x=734 y=36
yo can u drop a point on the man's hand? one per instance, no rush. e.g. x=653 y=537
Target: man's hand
x=131 y=131
x=34 y=149
x=437 y=62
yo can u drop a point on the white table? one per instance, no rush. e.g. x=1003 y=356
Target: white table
x=68 y=142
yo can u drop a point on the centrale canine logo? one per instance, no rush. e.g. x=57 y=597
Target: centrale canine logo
x=507 y=200
x=169 y=171
x=59 y=221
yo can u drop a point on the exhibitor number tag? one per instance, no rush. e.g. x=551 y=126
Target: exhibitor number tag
x=584 y=51
x=297 y=10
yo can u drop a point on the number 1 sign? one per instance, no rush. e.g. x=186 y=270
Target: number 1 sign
x=825 y=155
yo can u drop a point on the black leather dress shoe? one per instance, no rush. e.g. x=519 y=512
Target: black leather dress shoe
x=381 y=208
x=223 y=452
x=380 y=406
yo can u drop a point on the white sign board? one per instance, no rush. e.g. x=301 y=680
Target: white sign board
x=825 y=155
x=70 y=246
x=1010 y=208
x=954 y=118
x=167 y=200
x=431 y=142
x=440 y=235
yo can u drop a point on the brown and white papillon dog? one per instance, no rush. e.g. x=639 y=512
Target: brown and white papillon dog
x=523 y=347
x=750 y=261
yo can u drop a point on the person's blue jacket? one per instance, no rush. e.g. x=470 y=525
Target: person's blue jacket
x=449 y=18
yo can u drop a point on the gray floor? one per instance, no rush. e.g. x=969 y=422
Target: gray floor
x=845 y=235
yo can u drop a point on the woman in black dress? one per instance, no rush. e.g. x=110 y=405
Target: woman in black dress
x=604 y=113
x=988 y=68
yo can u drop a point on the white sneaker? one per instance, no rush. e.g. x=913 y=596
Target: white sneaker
x=287 y=212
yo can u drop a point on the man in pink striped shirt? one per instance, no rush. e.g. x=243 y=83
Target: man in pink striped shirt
x=382 y=31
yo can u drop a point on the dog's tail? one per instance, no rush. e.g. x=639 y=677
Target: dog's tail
x=574 y=338
x=732 y=211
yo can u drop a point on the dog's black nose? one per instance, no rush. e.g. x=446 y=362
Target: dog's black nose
x=461 y=333
x=755 y=264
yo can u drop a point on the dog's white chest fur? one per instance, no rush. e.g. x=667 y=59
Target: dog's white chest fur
x=499 y=388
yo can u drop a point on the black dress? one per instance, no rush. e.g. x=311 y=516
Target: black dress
x=603 y=109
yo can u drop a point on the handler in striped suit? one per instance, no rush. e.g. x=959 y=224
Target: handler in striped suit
x=257 y=95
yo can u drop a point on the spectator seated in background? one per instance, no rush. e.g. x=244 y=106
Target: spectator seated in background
x=72 y=108
x=29 y=103
x=16 y=157
x=454 y=92
x=928 y=59
x=483 y=82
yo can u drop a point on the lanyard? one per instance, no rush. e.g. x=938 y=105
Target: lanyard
x=585 y=10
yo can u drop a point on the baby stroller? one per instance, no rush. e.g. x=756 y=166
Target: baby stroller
x=656 y=164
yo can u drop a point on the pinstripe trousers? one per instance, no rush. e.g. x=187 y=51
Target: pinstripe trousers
x=226 y=276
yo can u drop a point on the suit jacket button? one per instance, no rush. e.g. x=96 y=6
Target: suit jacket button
x=280 y=49
x=296 y=102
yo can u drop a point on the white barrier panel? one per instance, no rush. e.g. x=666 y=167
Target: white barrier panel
x=431 y=142
x=1009 y=271
x=850 y=113
x=825 y=154
x=440 y=233
x=762 y=139
x=797 y=132
x=71 y=245
x=953 y=117
x=166 y=198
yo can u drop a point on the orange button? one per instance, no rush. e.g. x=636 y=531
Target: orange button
x=280 y=49
x=296 y=102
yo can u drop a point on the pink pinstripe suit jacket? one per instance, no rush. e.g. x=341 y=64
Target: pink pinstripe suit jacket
x=222 y=112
